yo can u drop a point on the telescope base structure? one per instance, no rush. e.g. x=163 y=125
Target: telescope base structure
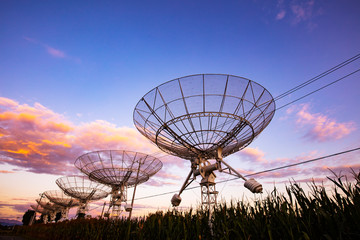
x=52 y=216
x=81 y=212
x=208 y=192
x=45 y=218
x=64 y=213
x=118 y=196
x=116 y=211
x=205 y=169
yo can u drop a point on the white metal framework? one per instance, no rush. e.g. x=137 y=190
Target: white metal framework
x=203 y=118
x=83 y=189
x=119 y=170
x=59 y=198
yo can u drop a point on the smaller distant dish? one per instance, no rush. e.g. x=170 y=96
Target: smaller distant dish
x=83 y=189
x=119 y=169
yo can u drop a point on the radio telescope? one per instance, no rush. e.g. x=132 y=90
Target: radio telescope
x=203 y=118
x=59 y=198
x=51 y=208
x=83 y=189
x=120 y=170
x=41 y=210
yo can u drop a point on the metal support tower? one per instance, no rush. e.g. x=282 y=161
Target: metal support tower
x=118 y=195
x=208 y=191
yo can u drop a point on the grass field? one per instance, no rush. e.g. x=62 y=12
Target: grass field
x=296 y=214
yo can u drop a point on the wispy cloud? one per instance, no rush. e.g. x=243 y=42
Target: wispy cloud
x=321 y=128
x=52 y=51
x=302 y=10
x=55 y=52
x=281 y=10
x=281 y=14
x=298 y=11
x=32 y=40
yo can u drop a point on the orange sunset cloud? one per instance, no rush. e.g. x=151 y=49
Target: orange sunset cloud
x=42 y=141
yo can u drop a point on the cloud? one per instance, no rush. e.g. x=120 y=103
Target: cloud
x=281 y=10
x=321 y=128
x=18 y=207
x=280 y=14
x=252 y=154
x=55 y=52
x=42 y=141
x=32 y=40
x=5 y=171
x=302 y=11
x=6 y=102
x=158 y=183
x=298 y=11
x=163 y=174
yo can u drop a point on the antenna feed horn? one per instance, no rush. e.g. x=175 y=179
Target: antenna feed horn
x=253 y=185
x=176 y=200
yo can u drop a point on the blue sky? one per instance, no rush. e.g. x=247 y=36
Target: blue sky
x=71 y=74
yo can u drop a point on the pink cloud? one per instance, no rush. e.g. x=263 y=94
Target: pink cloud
x=163 y=174
x=298 y=11
x=20 y=208
x=101 y=134
x=170 y=160
x=55 y=52
x=320 y=127
x=6 y=102
x=252 y=154
x=158 y=183
x=42 y=141
x=281 y=14
x=302 y=10
x=30 y=40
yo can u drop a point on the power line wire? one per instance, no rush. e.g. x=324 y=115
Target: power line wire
x=342 y=78
x=260 y=172
x=327 y=72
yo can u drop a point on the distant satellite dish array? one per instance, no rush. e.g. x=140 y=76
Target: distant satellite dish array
x=201 y=118
x=106 y=172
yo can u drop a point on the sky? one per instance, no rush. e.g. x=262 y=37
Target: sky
x=71 y=74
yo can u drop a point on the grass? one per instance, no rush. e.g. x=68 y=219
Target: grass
x=292 y=215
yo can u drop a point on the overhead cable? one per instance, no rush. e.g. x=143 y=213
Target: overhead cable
x=327 y=72
x=342 y=78
x=261 y=172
